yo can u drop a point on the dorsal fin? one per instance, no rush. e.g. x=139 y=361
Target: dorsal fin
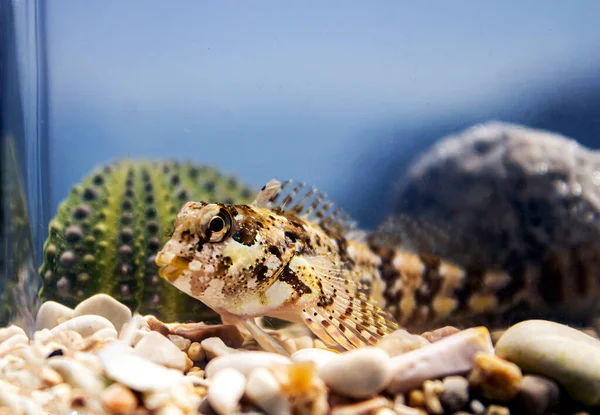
x=306 y=203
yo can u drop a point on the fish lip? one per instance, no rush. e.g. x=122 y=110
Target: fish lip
x=170 y=266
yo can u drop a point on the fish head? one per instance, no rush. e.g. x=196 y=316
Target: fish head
x=219 y=253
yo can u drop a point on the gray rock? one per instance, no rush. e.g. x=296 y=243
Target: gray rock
x=456 y=393
x=558 y=352
x=508 y=196
x=538 y=394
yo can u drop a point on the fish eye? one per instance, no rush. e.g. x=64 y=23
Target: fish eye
x=218 y=226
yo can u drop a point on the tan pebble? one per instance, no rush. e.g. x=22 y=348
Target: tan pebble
x=495 y=377
x=201 y=391
x=363 y=407
x=194 y=369
x=181 y=342
x=477 y=407
x=384 y=411
x=303 y=342
x=49 y=314
x=318 y=344
x=401 y=341
x=118 y=398
x=432 y=391
x=416 y=397
x=289 y=345
x=195 y=352
x=188 y=364
x=497 y=410
x=439 y=334
x=214 y=347
x=51 y=377
x=407 y=410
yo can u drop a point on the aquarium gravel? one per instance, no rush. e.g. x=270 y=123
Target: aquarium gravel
x=113 y=362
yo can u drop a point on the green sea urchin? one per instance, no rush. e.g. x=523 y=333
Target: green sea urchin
x=106 y=233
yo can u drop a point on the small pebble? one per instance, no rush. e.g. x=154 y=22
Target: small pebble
x=432 y=390
x=118 y=398
x=214 y=347
x=537 y=394
x=448 y=356
x=497 y=410
x=12 y=342
x=68 y=338
x=49 y=314
x=477 y=407
x=494 y=377
x=77 y=374
x=105 y=334
x=8 y=332
x=139 y=374
x=546 y=348
x=226 y=390
x=196 y=352
x=245 y=362
x=318 y=356
x=360 y=373
x=158 y=349
x=416 y=398
x=263 y=389
x=400 y=342
x=105 y=306
x=439 y=334
x=84 y=325
x=455 y=394
x=182 y=343
x=362 y=408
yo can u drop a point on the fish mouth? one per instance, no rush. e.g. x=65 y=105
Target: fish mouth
x=171 y=266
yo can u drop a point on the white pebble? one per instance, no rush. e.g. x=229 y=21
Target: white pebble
x=360 y=373
x=264 y=390
x=7 y=332
x=77 y=374
x=215 y=347
x=105 y=334
x=318 y=356
x=13 y=341
x=123 y=365
x=158 y=349
x=245 y=362
x=84 y=325
x=49 y=314
x=448 y=356
x=226 y=390
x=169 y=410
x=106 y=306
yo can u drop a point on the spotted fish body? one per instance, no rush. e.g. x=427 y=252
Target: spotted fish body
x=246 y=261
x=293 y=257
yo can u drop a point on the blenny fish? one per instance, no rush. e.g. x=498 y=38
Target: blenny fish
x=290 y=255
x=272 y=259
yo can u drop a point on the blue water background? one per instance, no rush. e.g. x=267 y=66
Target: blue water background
x=340 y=94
